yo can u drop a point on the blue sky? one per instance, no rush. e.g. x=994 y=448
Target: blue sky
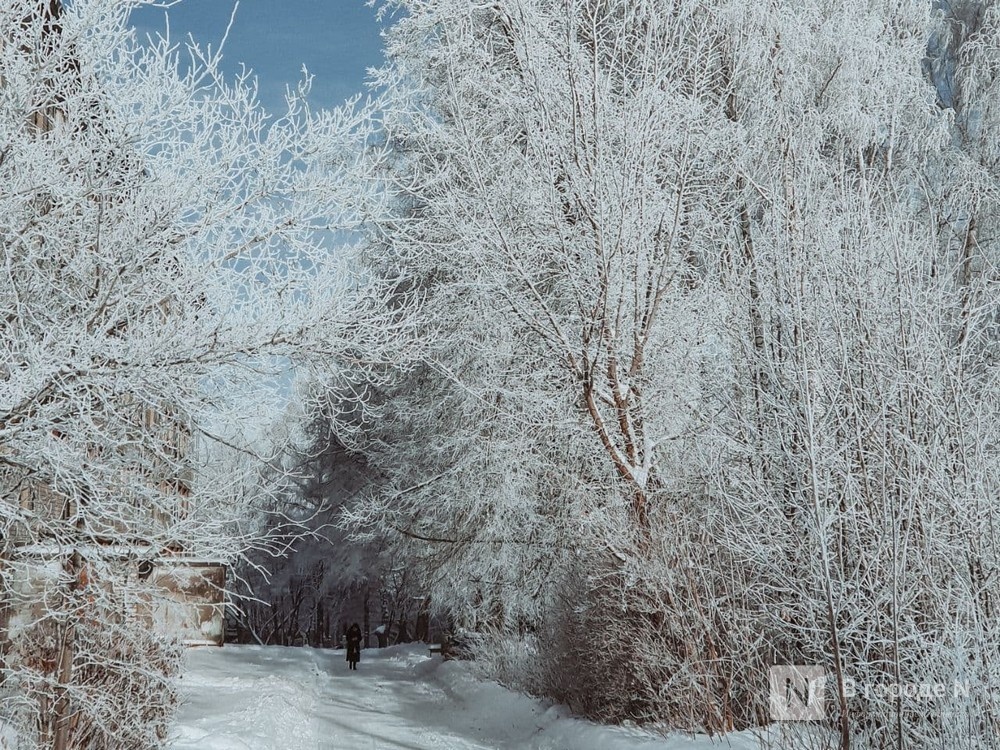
x=337 y=40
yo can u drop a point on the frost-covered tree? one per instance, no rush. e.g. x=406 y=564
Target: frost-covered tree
x=326 y=577
x=554 y=170
x=166 y=247
x=708 y=320
x=862 y=418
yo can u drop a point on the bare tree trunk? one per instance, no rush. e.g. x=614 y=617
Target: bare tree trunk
x=368 y=630
x=64 y=667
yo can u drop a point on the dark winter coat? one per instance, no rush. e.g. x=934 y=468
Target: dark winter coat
x=354 y=643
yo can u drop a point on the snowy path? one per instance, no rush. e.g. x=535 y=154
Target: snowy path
x=273 y=698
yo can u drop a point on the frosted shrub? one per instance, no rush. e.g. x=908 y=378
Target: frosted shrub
x=511 y=659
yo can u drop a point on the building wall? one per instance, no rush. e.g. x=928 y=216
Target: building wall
x=190 y=600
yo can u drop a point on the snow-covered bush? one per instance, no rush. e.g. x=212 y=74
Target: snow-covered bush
x=121 y=694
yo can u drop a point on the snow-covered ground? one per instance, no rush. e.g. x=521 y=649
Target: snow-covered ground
x=274 y=698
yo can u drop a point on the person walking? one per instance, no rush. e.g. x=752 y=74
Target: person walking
x=353 y=646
